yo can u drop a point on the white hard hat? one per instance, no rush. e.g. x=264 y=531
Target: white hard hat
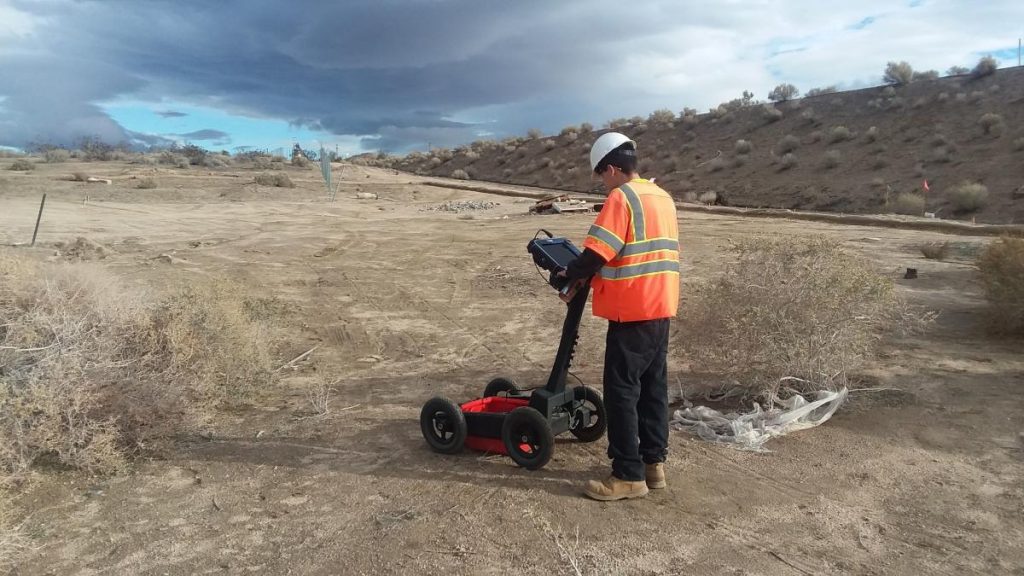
x=604 y=144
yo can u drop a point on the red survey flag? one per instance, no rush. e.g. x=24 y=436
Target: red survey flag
x=924 y=185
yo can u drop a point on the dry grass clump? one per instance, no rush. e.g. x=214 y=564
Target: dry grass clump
x=709 y=197
x=968 y=197
x=788 y=161
x=908 y=204
x=872 y=134
x=91 y=373
x=460 y=174
x=743 y=147
x=1001 y=267
x=801 y=308
x=22 y=165
x=276 y=179
x=935 y=250
x=147 y=183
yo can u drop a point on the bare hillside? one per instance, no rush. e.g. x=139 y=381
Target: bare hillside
x=855 y=151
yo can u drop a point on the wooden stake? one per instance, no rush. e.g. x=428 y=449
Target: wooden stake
x=38 y=218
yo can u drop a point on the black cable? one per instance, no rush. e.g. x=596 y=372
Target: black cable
x=535 y=265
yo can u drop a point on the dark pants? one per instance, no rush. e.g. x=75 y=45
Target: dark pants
x=636 y=395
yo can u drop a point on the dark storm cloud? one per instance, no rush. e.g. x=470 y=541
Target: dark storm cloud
x=408 y=72
x=171 y=114
x=207 y=134
x=397 y=70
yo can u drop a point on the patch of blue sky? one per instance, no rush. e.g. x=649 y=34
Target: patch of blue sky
x=243 y=131
x=864 y=23
x=1005 y=56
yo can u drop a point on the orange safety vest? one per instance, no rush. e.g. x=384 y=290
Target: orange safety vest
x=637 y=234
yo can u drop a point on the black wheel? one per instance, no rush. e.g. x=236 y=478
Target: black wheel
x=598 y=419
x=528 y=438
x=443 y=425
x=499 y=385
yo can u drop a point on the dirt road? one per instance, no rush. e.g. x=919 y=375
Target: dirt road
x=405 y=302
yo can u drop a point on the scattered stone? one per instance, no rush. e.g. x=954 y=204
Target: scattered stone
x=462 y=206
x=168 y=259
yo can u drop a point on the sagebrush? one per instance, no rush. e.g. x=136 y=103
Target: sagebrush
x=92 y=372
x=1001 y=267
x=275 y=179
x=797 y=307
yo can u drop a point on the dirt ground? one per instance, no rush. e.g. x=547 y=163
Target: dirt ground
x=923 y=475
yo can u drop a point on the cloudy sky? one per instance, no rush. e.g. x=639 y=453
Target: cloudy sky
x=404 y=74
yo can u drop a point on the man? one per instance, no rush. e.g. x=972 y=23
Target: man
x=632 y=251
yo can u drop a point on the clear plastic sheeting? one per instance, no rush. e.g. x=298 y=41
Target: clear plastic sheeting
x=750 y=431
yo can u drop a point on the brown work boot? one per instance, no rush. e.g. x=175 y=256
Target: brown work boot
x=655 y=475
x=613 y=488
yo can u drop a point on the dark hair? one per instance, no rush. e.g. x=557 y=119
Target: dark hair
x=623 y=158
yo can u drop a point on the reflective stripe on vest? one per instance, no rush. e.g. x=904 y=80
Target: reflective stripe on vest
x=645 y=246
x=636 y=209
x=637 y=270
x=639 y=246
x=613 y=241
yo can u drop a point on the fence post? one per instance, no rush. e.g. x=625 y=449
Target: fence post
x=38 y=218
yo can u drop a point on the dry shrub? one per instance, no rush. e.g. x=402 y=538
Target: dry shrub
x=743 y=147
x=1018 y=144
x=935 y=250
x=908 y=204
x=1001 y=267
x=968 y=196
x=663 y=116
x=788 y=144
x=709 y=197
x=832 y=159
x=460 y=174
x=146 y=183
x=788 y=161
x=277 y=180
x=839 y=134
x=985 y=67
x=22 y=166
x=872 y=134
x=771 y=113
x=91 y=372
x=898 y=73
x=56 y=155
x=798 y=307
x=992 y=124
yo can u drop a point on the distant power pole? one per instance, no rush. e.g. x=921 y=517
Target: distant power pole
x=1018 y=51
